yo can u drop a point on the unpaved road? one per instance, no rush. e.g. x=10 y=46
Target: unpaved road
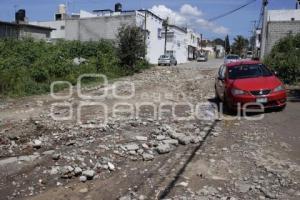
x=143 y=156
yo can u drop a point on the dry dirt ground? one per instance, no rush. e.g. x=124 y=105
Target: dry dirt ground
x=141 y=154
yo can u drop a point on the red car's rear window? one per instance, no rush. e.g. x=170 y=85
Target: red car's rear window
x=248 y=71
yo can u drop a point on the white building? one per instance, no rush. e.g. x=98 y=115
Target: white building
x=177 y=43
x=278 y=24
x=193 y=42
x=59 y=26
x=104 y=24
x=283 y=15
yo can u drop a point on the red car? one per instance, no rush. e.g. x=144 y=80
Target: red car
x=249 y=81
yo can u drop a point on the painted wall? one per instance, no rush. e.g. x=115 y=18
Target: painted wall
x=36 y=33
x=155 y=43
x=278 y=30
x=59 y=33
x=283 y=15
x=178 y=45
x=96 y=28
x=278 y=24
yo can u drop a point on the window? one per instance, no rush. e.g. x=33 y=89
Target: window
x=170 y=53
x=62 y=27
x=248 y=71
x=159 y=33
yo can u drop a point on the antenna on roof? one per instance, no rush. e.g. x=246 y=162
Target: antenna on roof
x=15 y=7
x=67 y=6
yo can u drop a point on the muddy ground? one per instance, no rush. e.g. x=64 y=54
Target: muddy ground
x=141 y=155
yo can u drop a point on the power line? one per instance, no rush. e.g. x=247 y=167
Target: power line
x=260 y=18
x=232 y=11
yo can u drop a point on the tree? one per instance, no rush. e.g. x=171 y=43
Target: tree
x=219 y=41
x=240 y=45
x=227 y=44
x=131 y=46
x=285 y=58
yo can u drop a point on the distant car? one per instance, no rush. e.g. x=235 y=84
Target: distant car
x=249 y=55
x=167 y=60
x=231 y=58
x=249 y=81
x=202 y=58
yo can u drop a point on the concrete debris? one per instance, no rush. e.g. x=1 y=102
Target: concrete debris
x=141 y=138
x=111 y=166
x=163 y=148
x=37 y=144
x=82 y=178
x=147 y=156
x=131 y=147
x=89 y=174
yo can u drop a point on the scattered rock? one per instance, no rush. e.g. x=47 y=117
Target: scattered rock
x=163 y=148
x=111 y=167
x=147 y=156
x=89 y=174
x=183 y=184
x=160 y=137
x=56 y=156
x=184 y=140
x=50 y=152
x=131 y=147
x=77 y=171
x=71 y=142
x=171 y=142
x=83 y=179
x=84 y=190
x=243 y=188
x=141 y=138
x=37 y=144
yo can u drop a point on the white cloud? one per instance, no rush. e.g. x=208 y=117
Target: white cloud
x=187 y=9
x=164 y=12
x=188 y=15
x=212 y=27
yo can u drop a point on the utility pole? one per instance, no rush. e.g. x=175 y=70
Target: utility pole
x=165 y=24
x=201 y=35
x=145 y=35
x=253 y=38
x=264 y=29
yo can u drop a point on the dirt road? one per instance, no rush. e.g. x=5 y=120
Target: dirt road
x=181 y=151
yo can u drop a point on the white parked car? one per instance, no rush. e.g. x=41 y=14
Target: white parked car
x=167 y=60
x=231 y=58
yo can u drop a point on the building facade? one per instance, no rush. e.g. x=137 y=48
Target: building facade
x=277 y=25
x=104 y=24
x=177 y=43
x=193 y=42
x=15 y=30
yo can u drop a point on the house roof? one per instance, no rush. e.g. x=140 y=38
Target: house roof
x=179 y=28
x=103 y=10
x=26 y=25
x=151 y=13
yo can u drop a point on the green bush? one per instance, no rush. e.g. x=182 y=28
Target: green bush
x=285 y=59
x=131 y=48
x=29 y=67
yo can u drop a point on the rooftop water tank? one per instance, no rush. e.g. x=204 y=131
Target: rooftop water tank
x=118 y=7
x=20 y=15
x=62 y=9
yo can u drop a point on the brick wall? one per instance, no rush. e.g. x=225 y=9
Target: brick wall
x=278 y=30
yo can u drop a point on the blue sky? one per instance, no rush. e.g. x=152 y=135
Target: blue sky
x=238 y=23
